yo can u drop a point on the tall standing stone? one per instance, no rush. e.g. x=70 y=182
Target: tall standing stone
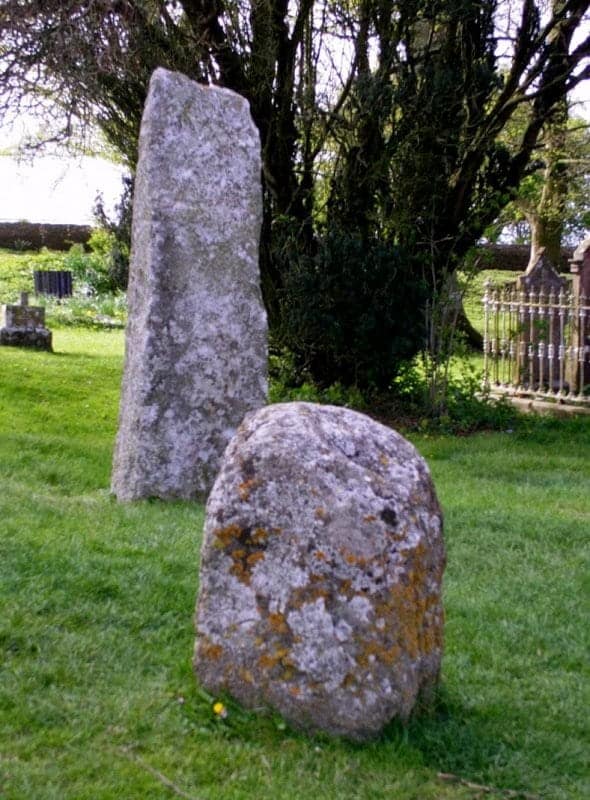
x=196 y=347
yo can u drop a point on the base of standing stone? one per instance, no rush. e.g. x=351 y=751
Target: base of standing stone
x=38 y=338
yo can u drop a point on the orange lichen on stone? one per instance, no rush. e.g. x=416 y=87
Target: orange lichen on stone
x=295 y=691
x=387 y=655
x=320 y=555
x=238 y=570
x=209 y=650
x=246 y=487
x=315 y=588
x=315 y=592
x=259 y=536
x=266 y=661
x=278 y=623
x=352 y=559
x=253 y=558
x=244 y=549
x=406 y=609
x=430 y=638
x=280 y=657
x=226 y=536
x=370 y=518
x=321 y=513
x=246 y=675
x=348 y=680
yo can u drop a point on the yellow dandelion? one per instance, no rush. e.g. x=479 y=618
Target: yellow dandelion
x=219 y=710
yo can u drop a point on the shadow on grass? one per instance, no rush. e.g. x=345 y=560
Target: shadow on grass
x=83 y=358
x=489 y=748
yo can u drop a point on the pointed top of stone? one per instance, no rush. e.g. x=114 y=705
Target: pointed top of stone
x=541 y=275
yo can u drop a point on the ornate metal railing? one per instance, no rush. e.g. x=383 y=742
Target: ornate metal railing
x=537 y=343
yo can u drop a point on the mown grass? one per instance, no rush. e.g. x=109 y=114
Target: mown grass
x=97 y=695
x=473 y=288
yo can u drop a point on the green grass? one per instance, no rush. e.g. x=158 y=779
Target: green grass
x=97 y=695
x=474 y=291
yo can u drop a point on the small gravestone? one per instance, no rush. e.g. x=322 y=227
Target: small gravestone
x=539 y=324
x=321 y=571
x=196 y=349
x=24 y=326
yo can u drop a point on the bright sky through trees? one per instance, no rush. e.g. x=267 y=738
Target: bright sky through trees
x=62 y=188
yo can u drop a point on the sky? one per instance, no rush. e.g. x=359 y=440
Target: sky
x=56 y=189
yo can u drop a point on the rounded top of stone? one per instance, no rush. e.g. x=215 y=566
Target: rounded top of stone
x=293 y=414
x=298 y=440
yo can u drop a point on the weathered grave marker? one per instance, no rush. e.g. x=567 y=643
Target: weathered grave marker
x=24 y=325
x=540 y=332
x=580 y=365
x=196 y=348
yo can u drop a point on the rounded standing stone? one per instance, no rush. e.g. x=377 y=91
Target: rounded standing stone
x=321 y=571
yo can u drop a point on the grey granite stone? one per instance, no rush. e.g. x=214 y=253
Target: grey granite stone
x=196 y=347
x=321 y=571
x=23 y=325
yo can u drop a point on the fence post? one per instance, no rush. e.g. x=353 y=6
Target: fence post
x=580 y=361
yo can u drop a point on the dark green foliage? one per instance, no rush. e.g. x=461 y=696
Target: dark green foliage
x=351 y=313
x=462 y=409
x=119 y=230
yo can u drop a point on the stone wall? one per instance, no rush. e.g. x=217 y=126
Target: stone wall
x=35 y=235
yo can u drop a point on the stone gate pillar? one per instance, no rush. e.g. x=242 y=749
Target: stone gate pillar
x=580 y=271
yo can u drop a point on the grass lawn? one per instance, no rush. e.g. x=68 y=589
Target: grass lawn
x=97 y=696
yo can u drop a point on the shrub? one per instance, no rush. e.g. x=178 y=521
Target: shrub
x=116 y=235
x=351 y=312
x=91 y=311
x=464 y=407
